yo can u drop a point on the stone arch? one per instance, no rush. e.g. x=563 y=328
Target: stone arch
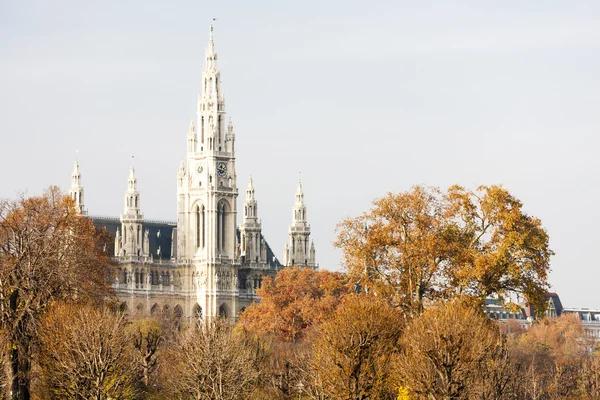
x=224 y=223
x=178 y=311
x=224 y=310
x=166 y=310
x=155 y=309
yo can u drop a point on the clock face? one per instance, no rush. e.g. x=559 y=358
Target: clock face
x=221 y=169
x=199 y=169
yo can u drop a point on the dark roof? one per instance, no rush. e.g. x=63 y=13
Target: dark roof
x=160 y=233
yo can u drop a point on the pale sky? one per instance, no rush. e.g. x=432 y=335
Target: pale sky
x=361 y=97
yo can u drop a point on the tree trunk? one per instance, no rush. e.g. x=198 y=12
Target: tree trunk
x=20 y=373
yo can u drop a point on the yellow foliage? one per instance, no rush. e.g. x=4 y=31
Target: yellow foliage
x=403 y=393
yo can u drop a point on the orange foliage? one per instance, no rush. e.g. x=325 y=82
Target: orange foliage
x=294 y=301
x=424 y=245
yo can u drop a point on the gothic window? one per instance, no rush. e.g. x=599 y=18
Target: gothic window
x=223 y=227
x=178 y=311
x=138 y=235
x=219 y=129
x=203 y=223
x=124 y=235
x=198 y=223
x=197 y=312
x=223 y=311
x=202 y=131
x=79 y=197
x=218 y=227
x=136 y=202
x=246 y=211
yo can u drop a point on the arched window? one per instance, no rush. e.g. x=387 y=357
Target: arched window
x=202 y=130
x=223 y=227
x=198 y=224
x=202 y=228
x=197 y=312
x=223 y=311
x=219 y=129
x=138 y=234
x=218 y=227
x=136 y=202
x=178 y=311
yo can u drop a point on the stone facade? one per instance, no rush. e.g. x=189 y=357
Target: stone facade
x=203 y=265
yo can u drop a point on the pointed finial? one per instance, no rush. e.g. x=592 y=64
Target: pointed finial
x=212 y=29
x=192 y=128
x=131 y=171
x=76 y=164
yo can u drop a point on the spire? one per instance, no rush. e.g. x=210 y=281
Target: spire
x=250 y=189
x=76 y=175
x=211 y=55
x=132 y=196
x=299 y=193
x=191 y=138
x=132 y=181
x=76 y=189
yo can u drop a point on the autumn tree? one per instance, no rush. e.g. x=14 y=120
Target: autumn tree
x=86 y=353
x=554 y=354
x=453 y=351
x=4 y=366
x=47 y=253
x=352 y=353
x=147 y=337
x=589 y=378
x=422 y=245
x=211 y=361
x=294 y=301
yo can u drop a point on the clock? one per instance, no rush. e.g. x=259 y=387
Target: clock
x=199 y=169
x=221 y=169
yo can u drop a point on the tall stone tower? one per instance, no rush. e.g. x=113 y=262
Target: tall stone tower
x=76 y=189
x=297 y=251
x=130 y=241
x=206 y=199
x=253 y=248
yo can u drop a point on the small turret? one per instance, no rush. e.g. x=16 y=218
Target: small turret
x=131 y=243
x=250 y=228
x=76 y=189
x=297 y=252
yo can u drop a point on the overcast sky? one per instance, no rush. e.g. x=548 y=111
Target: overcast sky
x=361 y=97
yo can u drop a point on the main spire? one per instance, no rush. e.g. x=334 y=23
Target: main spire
x=211 y=55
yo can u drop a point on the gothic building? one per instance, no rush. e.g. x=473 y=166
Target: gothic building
x=204 y=264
